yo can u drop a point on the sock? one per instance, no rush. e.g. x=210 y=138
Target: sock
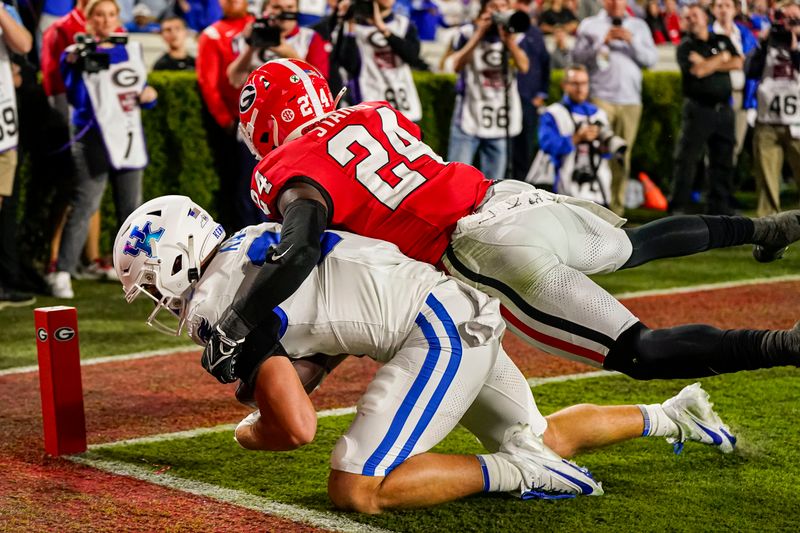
x=498 y=474
x=657 y=423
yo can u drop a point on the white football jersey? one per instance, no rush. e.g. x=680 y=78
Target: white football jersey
x=362 y=298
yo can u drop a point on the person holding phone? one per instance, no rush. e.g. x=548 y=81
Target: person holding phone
x=615 y=47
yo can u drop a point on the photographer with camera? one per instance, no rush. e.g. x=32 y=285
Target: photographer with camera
x=488 y=107
x=376 y=50
x=217 y=48
x=706 y=60
x=576 y=139
x=278 y=35
x=776 y=64
x=615 y=47
x=106 y=81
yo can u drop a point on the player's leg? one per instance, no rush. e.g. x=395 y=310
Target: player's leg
x=593 y=244
x=506 y=400
x=697 y=350
x=562 y=311
x=413 y=402
x=421 y=481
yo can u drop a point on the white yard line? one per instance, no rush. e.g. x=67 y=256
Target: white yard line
x=707 y=287
x=321 y=519
x=109 y=359
x=623 y=295
x=203 y=431
x=533 y=382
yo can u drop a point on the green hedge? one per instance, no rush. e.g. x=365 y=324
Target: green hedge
x=181 y=159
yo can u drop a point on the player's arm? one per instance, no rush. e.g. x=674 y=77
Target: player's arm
x=305 y=217
x=287 y=419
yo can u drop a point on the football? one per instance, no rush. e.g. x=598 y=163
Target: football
x=310 y=371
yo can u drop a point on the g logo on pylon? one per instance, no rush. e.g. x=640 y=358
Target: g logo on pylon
x=64 y=334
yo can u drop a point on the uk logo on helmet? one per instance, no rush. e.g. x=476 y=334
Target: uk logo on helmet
x=142 y=239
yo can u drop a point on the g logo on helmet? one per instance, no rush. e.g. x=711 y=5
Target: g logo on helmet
x=247 y=98
x=64 y=334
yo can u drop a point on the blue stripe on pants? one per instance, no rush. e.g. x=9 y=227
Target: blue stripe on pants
x=428 y=366
x=444 y=384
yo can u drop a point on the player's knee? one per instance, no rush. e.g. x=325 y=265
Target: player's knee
x=351 y=492
x=632 y=354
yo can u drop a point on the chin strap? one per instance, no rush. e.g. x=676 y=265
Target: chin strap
x=339 y=97
x=193 y=272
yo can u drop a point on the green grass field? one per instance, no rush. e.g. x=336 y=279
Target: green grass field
x=108 y=326
x=648 y=488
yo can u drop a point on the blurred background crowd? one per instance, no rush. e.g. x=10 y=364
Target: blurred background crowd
x=73 y=84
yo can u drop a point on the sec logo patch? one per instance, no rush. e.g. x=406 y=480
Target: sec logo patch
x=287 y=115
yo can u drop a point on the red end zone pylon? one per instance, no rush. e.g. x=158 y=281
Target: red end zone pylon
x=60 y=379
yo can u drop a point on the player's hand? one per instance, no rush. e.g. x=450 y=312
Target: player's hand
x=219 y=356
x=225 y=347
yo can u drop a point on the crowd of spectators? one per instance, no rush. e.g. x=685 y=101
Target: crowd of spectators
x=738 y=60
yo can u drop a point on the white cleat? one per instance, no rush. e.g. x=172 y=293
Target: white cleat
x=697 y=421
x=545 y=475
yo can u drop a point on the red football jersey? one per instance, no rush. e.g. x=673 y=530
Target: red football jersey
x=381 y=180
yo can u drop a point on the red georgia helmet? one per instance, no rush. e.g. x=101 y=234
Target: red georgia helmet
x=278 y=99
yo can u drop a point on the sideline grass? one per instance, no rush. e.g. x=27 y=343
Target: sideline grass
x=108 y=326
x=647 y=487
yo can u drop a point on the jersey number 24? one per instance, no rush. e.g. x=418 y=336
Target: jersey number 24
x=402 y=142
